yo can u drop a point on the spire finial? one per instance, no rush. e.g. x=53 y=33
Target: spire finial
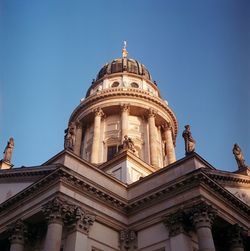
x=124 y=50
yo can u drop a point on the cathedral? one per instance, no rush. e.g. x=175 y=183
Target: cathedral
x=117 y=185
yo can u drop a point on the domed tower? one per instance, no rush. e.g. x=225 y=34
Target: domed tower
x=123 y=107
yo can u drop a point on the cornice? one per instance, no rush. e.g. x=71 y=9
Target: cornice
x=27 y=171
x=196 y=178
x=123 y=92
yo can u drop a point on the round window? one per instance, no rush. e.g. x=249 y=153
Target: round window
x=134 y=85
x=115 y=84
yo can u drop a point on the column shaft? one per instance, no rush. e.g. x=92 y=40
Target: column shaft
x=78 y=143
x=96 y=136
x=17 y=247
x=152 y=139
x=76 y=241
x=53 y=236
x=205 y=239
x=124 y=121
x=170 y=151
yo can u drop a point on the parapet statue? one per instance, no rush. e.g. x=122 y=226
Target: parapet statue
x=188 y=139
x=239 y=156
x=8 y=151
x=128 y=144
x=69 y=138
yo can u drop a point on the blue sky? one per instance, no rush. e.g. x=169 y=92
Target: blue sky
x=197 y=51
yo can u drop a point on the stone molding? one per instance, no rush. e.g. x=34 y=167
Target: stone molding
x=176 y=223
x=128 y=240
x=18 y=232
x=196 y=178
x=118 y=92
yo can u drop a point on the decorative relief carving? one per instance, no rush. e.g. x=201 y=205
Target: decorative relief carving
x=202 y=215
x=80 y=220
x=74 y=217
x=98 y=112
x=176 y=223
x=152 y=113
x=125 y=107
x=235 y=236
x=128 y=240
x=243 y=196
x=18 y=232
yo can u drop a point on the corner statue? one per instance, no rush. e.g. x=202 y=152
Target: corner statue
x=8 y=151
x=188 y=139
x=69 y=138
x=239 y=156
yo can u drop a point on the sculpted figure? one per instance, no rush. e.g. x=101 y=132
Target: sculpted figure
x=238 y=156
x=69 y=138
x=128 y=144
x=188 y=139
x=8 y=151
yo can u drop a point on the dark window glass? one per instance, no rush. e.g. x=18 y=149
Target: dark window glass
x=134 y=85
x=115 y=84
x=112 y=150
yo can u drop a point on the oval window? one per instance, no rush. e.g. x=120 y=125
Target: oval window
x=115 y=84
x=134 y=85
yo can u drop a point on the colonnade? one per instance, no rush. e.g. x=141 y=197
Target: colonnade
x=59 y=215
x=200 y=219
x=125 y=109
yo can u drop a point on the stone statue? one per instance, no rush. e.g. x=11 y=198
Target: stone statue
x=69 y=138
x=239 y=156
x=188 y=139
x=8 y=151
x=128 y=143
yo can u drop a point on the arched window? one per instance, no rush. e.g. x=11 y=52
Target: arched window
x=134 y=85
x=115 y=84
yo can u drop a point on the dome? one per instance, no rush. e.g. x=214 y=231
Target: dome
x=124 y=65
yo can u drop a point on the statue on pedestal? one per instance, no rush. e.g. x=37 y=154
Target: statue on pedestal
x=239 y=156
x=69 y=138
x=188 y=139
x=8 y=151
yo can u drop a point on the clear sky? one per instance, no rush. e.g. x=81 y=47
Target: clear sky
x=197 y=51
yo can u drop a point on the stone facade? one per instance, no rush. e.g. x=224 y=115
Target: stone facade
x=92 y=197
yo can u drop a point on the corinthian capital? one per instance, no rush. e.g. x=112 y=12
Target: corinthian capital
x=176 y=223
x=128 y=240
x=202 y=215
x=167 y=126
x=98 y=112
x=80 y=220
x=125 y=107
x=18 y=232
x=152 y=112
x=54 y=210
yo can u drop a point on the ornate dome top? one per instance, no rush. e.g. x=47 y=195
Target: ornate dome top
x=124 y=65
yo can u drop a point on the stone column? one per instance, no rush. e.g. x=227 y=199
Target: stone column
x=236 y=242
x=78 y=228
x=18 y=236
x=96 y=137
x=169 y=144
x=128 y=240
x=53 y=212
x=202 y=217
x=152 y=138
x=177 y=227
x=77 y=148
x=124 y=121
